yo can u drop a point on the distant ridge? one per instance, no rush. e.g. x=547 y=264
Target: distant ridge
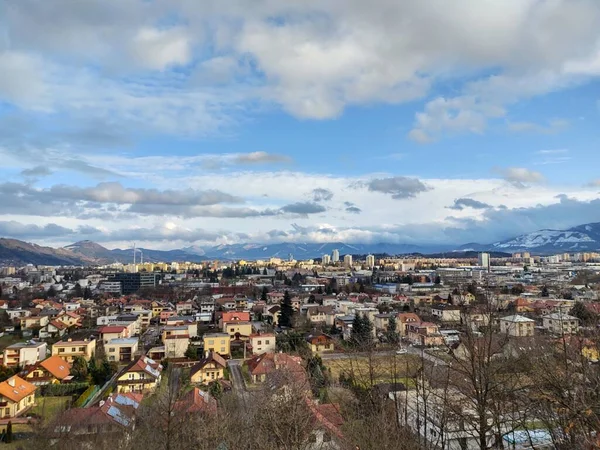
x=582 y=238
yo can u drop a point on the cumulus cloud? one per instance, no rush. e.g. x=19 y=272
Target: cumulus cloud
x=462 y=203
x=399 y=187
x=322 y=195
x=19 y=230
x=520 y=176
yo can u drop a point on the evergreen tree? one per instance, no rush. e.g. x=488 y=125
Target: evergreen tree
x=367 y=330
x=216 y=390
x=392 y=331
x=586 y=316
x=311 y=299
x=438 y=280
x=51 y=292
x=87 y=293
x=450 y=299
x=265 y=271
x=357 y=329
x=191 y=352
x=79 y=369
x=287 y=311
x=545 y=292
x=9 y=432
x=263 y=295
x=78 y=292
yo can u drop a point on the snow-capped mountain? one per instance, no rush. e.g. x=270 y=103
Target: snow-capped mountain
x=581 y=238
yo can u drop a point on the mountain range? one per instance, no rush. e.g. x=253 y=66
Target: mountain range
x=582 y=238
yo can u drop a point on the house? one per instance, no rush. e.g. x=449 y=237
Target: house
x=238 y=330
x=165 y=314
x=320 y=342
x=121 y=350
x=217 y=342
x=52 y=370
x=176 y=345
x=113 y=415
x=424 y=333
x=404 y=320
x=208 y=369
x=233 y=316
x=53 y=329
x=184 y=308
x=16 y=396
x=70 y=349
x=262 y=342
x=70 y=319
x=382 y=321
x=109 y=333
x=34 y=322
x=141 y=376
x=558 y=323
x=446 y=313
x=261 y=366
x=318 y=314
x=517 y=325
x=197 y=401
x=169 y=332
x=24 y=353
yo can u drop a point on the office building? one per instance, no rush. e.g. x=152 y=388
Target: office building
x=483 y=260
x=133 y=282
x=326 y=259
x=370 y=261
x=348 y=260
x=335 y=256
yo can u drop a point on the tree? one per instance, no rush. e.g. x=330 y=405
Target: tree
x=450 y=299
x=263 y=295
x=79 y=369
x=311 y=299
x=9 y=432
x=51 y=292
x=265 y=271
x=78 y=291
x=216 y=390
x=392 y=333
x=191 y=352
x=545 y=292
x=586 y=316
x=438 y=280
x=87 y=293
x=287 y=311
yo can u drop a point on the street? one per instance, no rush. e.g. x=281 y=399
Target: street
x=237 y=380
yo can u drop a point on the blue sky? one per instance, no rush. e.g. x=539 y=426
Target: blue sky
x=184 y=122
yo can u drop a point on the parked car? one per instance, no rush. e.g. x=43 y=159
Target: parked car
x=401 y=351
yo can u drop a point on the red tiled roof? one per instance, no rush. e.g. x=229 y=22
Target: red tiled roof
x=111 y=329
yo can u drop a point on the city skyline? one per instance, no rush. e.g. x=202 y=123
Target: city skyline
x=190 y=123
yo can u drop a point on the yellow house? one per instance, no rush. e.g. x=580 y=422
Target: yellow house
x=157 y=309
x=217 y=342
x=238 y=329
x=50 y=371
x=16 y=396
x=70 y=349
x=142 y=375
x=209 y=369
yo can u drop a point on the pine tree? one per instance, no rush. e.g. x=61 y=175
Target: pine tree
x=263 y=295
x=450 y=299
x=357 y=329
x=9 y=432
x=87 y=293
x=392 y=332
x=367 y=329
x=287 y=311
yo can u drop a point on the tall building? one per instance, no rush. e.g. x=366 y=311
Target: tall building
x=484 y=260
x=326 y=259
x=335 y=256
x=133 y=282
x=370 y=261
x=348 y=260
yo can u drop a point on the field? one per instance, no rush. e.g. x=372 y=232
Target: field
x=377 y=369
x=49 y=407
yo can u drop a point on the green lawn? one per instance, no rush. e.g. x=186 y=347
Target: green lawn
x=50 y=407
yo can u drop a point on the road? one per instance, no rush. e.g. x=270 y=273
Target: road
x=237 y=381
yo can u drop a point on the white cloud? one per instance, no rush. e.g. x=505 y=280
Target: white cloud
x=520 y=176
x=158 y=49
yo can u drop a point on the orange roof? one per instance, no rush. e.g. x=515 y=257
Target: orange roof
x=234 y=316
x=57 y=366
x=19 y=391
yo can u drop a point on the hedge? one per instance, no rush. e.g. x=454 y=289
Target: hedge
x=58 y=390
x=83 y=398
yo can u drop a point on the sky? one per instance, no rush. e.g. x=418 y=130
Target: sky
x=172 y=123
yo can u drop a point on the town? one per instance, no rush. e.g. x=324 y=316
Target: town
x=448 y=353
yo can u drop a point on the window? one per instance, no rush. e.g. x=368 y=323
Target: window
x=233 y=330
x=111 y=349
x=7 y=412
x=222 y=349
x=73 y=349
x=61 y=350
x=259 y=342
x=222 y=341
x=266 y=342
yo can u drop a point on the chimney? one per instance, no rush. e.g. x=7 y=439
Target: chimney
x=70 y=340
x=11 y=382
